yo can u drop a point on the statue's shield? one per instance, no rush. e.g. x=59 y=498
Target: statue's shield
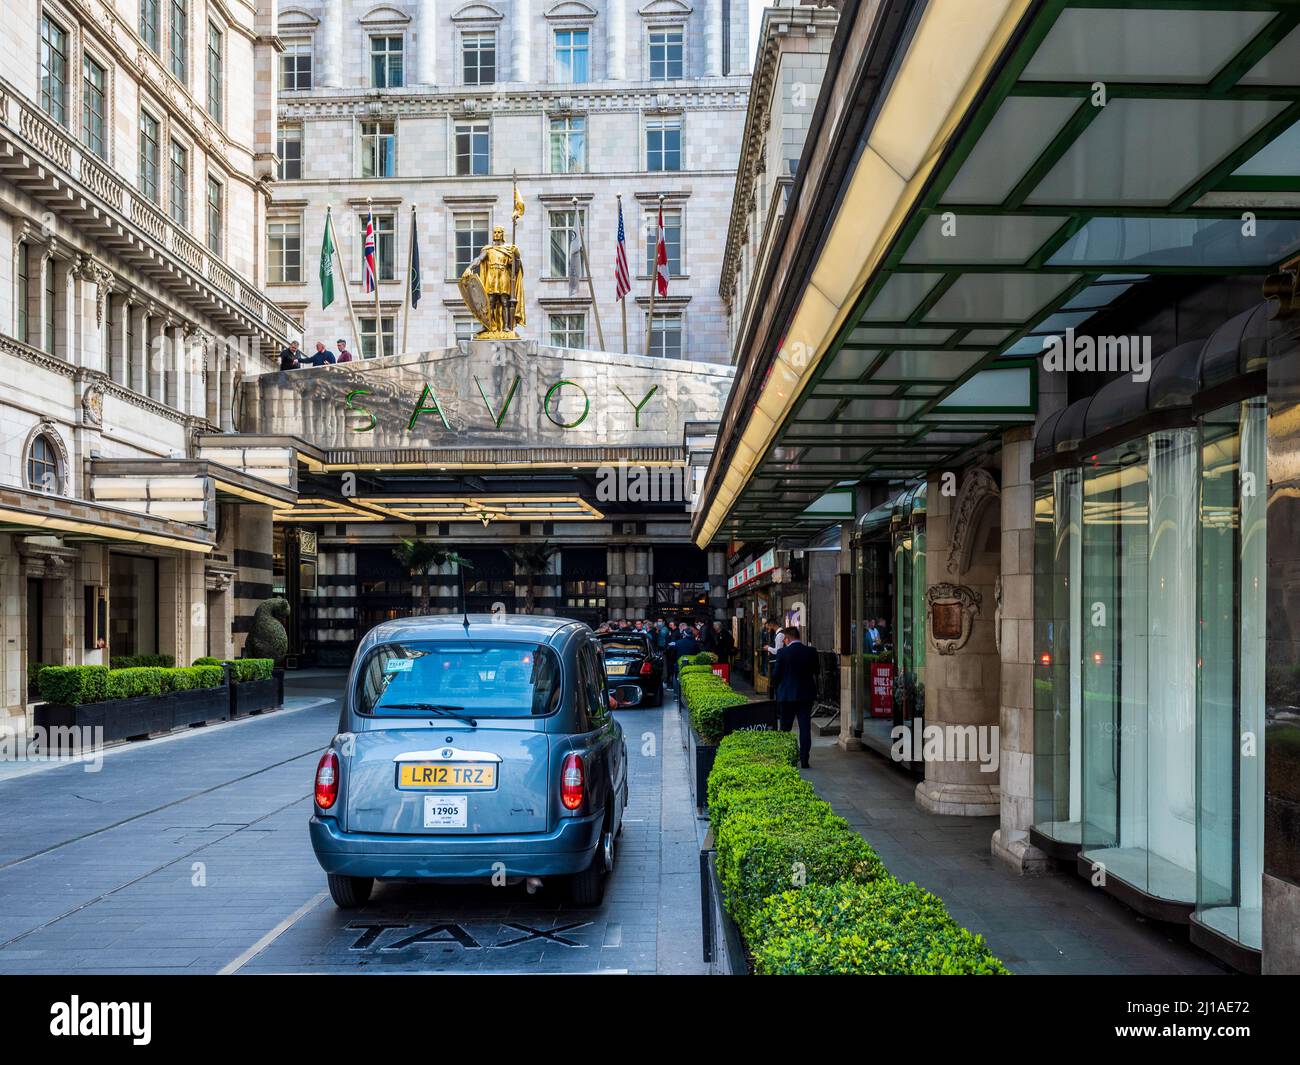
x=471 y=291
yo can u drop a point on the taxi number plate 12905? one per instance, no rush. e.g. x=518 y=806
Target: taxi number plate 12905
x=446 y=811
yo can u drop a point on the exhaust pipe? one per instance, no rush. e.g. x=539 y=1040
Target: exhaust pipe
x=533 y=884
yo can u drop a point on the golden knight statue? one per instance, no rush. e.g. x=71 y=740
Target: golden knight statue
x=492 y=287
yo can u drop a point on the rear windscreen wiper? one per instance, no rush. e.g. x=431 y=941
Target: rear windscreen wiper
x=437 y=709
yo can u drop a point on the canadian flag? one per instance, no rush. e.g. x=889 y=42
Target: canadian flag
x=661 y=258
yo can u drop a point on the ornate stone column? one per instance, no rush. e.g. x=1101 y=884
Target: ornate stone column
x=331 y=38
x=426 y=42
x=1016 y=647
x=616 y=40
x=521 y=41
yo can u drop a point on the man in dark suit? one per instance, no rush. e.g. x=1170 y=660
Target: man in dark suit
x=685 y=644
x=794 y=680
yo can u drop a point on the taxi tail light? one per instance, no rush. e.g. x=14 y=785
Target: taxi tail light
x=572 y=782
x=646 y=668
x=327 y=780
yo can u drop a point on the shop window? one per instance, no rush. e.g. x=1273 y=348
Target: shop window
x=1230 y=710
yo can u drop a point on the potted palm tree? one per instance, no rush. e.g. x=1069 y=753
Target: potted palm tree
x=421 y=558
x=532 y=560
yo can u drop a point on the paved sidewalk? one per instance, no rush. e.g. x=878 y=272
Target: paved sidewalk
x=1049 y=924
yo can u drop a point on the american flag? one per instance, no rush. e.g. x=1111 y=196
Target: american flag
x=368 y=253
x=622 y=282
x=661 y=257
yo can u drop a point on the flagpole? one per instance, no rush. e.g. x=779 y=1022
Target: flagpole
x=379 y=318
x=586 y=268
x=406 y=300
x=654 y=279
x=341 y=259
x=622 y=302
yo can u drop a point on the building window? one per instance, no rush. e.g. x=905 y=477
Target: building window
x=386 y=62
x=378 y=149
x=471 y=235
x=565 y=259
x=23 y=295
x=672 y=242
x=665 y=54
x=284 y=260
x=54 y=70
x=663 y=144
x=43 y=472
x=385 y=246
x=478 y=53
x=568 y=145
x=295 y=67
x=666 y=336
x=47 y=272
x=568 y=330
x=387 y=325
x=94 y=95
x=150 y=24
x=289 y=150
x=473 y=148
x=180 y=36
x=149 y=161
x=215 y=216
x=572 y=57
x=216 y=69
x=179 y=184
x=464 y=327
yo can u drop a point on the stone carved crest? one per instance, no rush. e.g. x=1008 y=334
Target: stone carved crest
x=951 y=609
x=92 y=405
x=976 y=490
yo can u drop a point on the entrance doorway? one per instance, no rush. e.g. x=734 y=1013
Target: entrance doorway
x=132 y=605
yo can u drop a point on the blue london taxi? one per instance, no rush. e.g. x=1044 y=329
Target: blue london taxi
x=476 y=748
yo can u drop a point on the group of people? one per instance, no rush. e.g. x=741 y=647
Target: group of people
x=875 y=637
x=675 y=639
x=291 y=358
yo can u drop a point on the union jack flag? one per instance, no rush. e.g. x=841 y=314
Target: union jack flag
x=368 y=253
x=622 y=281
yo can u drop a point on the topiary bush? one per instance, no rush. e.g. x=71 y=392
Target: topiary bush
x=137 y=681
x=188 y=678
x=140 y=661
x=267 y=638
x=206 y=660
x=73 y=685
x=706 y=696
x=700 y=658
x=879 y=928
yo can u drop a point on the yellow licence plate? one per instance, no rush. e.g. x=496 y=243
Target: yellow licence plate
x=443 y=775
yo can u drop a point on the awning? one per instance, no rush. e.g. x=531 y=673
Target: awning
x=27 y=513
x=1026 y=165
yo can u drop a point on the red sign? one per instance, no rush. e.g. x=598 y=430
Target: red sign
x=882 y=689
x=723 y=670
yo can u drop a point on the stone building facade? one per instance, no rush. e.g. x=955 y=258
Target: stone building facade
x=133 y=172
x=435 y=105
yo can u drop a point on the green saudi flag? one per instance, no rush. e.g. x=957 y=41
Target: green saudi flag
x=326 y=267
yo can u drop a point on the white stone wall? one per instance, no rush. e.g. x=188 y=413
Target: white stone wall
x=711 y=109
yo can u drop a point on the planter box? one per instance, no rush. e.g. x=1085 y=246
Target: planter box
x=701 y=764
x=123 y=719
x=257 y=696
x=724 y=947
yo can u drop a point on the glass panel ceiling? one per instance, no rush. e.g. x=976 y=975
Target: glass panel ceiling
x=1141 y=45
x=993 y=388
x=986 y=337
x=1113 y=161
x=1001 y=239
x=899 y=297
x=1195 y=242
x=1280 y=157
x=944 y=366
x=998 y=297
x=849 y=364
x=1023 y=127
x=1279 y=66
x=888 y=337
x=1095 y=296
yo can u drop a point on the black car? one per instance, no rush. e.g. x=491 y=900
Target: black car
x=631 y=658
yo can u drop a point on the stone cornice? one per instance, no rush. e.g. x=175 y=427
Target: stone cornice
x=716 y=94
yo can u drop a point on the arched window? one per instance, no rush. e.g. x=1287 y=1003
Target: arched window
x=43 y=472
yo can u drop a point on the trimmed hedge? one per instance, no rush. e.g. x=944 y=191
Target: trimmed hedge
x=206 y=660
x=246 y=669
x=74 y=685
x=141 y=661
x=706 y=696
x=882 y=928
x=808 y=892
x=700 y=658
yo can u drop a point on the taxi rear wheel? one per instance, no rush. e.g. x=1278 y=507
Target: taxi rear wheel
x=349 y=892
